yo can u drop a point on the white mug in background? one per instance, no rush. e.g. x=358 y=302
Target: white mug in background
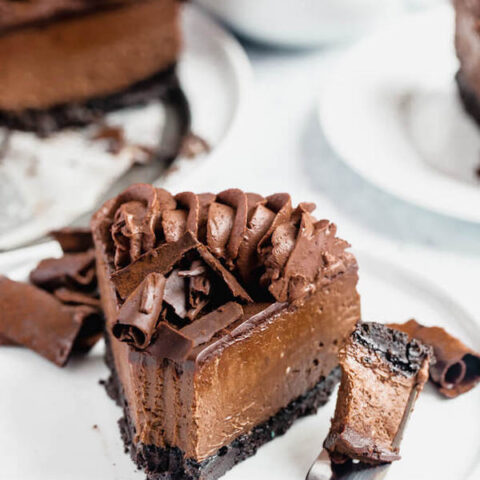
x=306 y=23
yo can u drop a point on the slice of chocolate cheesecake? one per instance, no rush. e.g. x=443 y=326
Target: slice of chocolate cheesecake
x=224 y=318
x=67 y=62
x=383 y=373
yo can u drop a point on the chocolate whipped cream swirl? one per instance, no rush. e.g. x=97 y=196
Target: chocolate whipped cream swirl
x=241 y=244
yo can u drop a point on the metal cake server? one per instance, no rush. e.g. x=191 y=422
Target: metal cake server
x=322 y=469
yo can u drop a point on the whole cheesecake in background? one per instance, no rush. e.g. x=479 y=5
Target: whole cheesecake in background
x=467 y=43
x=66 y=62
x=225 y=314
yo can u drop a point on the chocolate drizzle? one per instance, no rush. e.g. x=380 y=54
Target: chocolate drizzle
x=215 y=251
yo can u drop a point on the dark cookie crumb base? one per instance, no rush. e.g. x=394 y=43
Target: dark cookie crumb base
x=470 y=101
x=162 y=85
x=403 y=355
x=171 y=464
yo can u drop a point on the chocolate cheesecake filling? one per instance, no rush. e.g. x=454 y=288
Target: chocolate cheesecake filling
x=253 y=299
x=102 y=51
x=382 y=374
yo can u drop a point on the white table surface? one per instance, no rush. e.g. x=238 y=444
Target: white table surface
x=278 y=146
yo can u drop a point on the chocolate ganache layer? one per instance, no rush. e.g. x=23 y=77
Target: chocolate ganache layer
x=55 y=53
x=221 y=310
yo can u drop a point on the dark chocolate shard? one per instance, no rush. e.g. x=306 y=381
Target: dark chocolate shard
x=232 y=283
x=36 y=319
x=204 y=329
x=170 y=343
x=75 y=297
x=137 y=319
x=457 y=367
x=74 y=269
x=159 y=260
x=175 y=294
x=73 y=239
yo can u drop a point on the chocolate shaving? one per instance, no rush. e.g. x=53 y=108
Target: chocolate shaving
x=457 y=369
x=160 y=260
x=205 y=328
x=138 y=316
x=74 y=297
x=237 y=290
x=75 y=269
x=73 y=240
x=170 y=343
x=36 y=319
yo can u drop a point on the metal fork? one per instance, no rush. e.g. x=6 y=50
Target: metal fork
x=322 y=469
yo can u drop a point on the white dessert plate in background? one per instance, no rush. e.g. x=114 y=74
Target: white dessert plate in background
x=59 y=424
x=390 y=109
x=46 y=184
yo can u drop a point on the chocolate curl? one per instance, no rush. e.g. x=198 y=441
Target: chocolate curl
x=73 y=240
x=205 y=328
x=75 y=269
x=236 y=199
x=160 y=260
x=138 y=316
x=36 y=319
x=457 y=369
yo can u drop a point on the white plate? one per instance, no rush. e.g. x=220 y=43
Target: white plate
x=390 y=110
x=45 y=184
x=47 y=430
